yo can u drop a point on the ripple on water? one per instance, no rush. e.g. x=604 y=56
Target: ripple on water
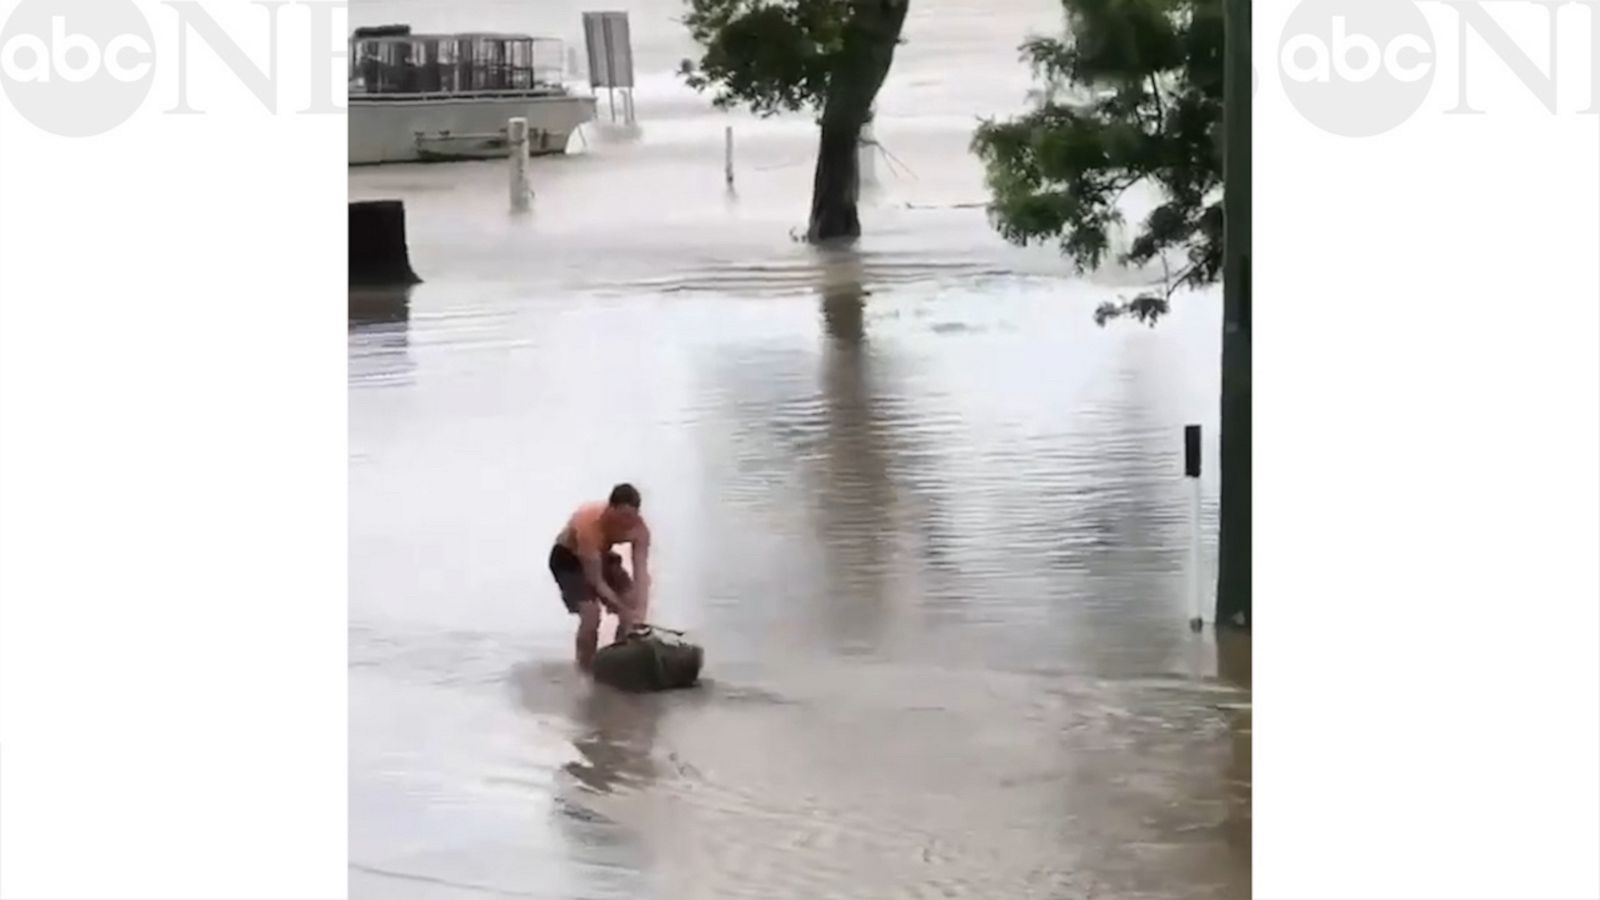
x=916 y=801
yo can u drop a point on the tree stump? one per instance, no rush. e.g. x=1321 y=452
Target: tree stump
x=378 y=253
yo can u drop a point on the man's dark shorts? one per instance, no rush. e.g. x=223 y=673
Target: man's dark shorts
x=567 y=570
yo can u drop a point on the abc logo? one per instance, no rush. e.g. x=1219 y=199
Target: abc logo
x=76 y=68
x=1357 y=68
x=1307 y=57
x=73 y=57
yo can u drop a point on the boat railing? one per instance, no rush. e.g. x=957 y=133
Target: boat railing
x=454 y=64
x=499 y=94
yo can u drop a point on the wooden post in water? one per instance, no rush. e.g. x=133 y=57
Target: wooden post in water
x=1233 y=551
x=380 y=265
x=378 y=253
x=517 y=139
x=1191 y=475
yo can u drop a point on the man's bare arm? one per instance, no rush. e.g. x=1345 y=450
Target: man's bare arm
x=641 y=566
x=597 y=580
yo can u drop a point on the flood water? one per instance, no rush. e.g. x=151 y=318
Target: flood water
x=926 y=518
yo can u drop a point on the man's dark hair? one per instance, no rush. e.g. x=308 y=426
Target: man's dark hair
x=625 y=495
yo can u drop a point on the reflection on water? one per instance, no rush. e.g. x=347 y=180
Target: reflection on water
x=1233 y=667
x=379 y=305
x=379 y=327
x=851 y=497
x=619 y=734
x=926 y=518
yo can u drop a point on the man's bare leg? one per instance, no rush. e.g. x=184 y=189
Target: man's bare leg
x=588 y=637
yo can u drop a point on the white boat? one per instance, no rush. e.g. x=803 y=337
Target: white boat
x=429 y=97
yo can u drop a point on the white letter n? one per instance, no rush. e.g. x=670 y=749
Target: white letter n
x=1475 y=18
x=261 y=82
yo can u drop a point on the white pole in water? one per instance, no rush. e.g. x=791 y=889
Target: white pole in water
x=727 y=154
x=1191 y=473
x=521 y=193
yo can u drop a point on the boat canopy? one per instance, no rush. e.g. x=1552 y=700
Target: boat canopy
x=404 y=63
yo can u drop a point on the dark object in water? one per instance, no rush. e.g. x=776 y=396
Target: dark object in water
x=649 y=659
x=378 y=254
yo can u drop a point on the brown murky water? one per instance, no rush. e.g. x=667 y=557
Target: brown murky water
x=926 y=518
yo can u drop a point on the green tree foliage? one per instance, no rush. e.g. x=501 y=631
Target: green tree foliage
x=1133 y=94
x=828 y=56
x=770 y=57
x=1136 y=92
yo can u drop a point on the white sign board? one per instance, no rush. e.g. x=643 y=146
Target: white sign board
x=610 y=49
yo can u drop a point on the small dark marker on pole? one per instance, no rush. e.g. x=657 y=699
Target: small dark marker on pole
x=1191 y=451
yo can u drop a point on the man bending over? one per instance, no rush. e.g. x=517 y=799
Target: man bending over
x=590 y=573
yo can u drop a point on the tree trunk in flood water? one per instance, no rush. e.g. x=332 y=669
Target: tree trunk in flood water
x=869 y=42
x=837 y=184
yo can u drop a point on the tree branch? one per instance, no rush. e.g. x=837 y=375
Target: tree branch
x=1161 y=106
x=1123 y=188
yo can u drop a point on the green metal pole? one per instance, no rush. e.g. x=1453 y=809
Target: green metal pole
x=1233 y=564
